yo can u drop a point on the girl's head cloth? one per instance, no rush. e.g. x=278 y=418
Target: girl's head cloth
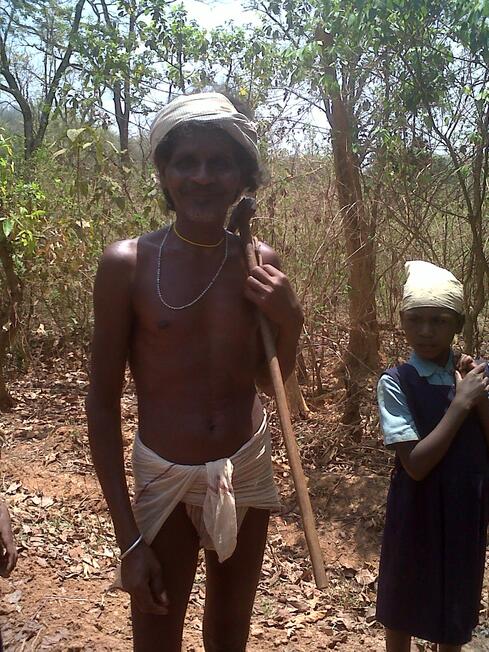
x=212 y=108
x=429 y=286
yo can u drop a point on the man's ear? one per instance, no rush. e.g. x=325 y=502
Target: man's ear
x=160 y=170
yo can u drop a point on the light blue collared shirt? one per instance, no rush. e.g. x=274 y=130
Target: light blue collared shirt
x=396 y=421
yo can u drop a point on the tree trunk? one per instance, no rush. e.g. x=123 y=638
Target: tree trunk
x=6 y=400
x=361 y=356
x=122 y=95
x=10 y=320
x=122 y=118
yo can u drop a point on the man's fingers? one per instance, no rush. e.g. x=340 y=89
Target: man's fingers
x=7 y=563
x=257 y=285
x=256 y=297
x=271 y=270
x=262 y=275
x=147 y=603
x=158 y=589
x=268 y=274
x=11 y=555
x=458 y=377
x=11 y=561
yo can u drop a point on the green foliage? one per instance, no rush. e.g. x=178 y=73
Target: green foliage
x=414 y=78
x=22 y=207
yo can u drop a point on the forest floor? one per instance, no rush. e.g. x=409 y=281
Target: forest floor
x=59 y=596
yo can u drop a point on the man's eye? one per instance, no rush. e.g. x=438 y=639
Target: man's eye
x=221 y=163
x=185 y=162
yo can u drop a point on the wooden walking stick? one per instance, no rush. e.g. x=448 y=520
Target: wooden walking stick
x=241 y=219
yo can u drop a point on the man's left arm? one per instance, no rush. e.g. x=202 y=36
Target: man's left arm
x=270 y=290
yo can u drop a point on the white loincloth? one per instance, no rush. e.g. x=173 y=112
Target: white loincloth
x=216 y=494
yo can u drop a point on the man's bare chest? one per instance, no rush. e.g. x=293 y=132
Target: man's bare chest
x=221 y=312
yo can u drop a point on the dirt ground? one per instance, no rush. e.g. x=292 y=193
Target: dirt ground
x=59 y=597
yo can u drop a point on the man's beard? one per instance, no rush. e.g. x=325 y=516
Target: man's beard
x=204 y=214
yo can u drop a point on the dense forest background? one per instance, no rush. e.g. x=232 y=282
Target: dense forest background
x=374 y=124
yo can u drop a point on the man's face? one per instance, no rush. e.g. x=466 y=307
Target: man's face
x=430 y=331
x=202 y=176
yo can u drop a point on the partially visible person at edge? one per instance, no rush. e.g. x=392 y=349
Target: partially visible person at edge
x=8 y=550
x=434 y=412
x=179 y=305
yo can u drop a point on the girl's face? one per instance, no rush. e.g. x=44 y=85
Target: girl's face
x=203 y=177
x=430 y=331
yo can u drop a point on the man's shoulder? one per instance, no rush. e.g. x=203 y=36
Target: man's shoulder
x=120 y=252
x=118 y=263
x=124 y=253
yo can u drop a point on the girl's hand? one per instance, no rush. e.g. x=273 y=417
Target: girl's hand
x=472 y=387
x=465 y=364
x=8 y=551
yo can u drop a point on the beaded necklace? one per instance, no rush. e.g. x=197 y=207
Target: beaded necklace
x=213 y=280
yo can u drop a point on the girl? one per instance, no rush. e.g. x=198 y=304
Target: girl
x=433 y=549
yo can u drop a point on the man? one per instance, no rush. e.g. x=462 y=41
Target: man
x=179 y=305
x=8 y=550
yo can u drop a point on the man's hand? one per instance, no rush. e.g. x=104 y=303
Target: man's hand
x=8 y=551
x=269 y=289
x=142 y=579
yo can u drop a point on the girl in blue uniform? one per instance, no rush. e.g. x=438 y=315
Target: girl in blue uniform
x=437 y=421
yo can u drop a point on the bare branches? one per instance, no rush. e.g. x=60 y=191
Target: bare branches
x=50 y=82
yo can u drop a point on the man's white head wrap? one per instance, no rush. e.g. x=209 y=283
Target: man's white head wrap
x=212 y=108
x=429 y=286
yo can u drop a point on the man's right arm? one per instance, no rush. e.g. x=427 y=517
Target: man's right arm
x=112 y=311
x=141 y=572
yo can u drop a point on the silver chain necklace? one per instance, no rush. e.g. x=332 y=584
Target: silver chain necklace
x=214 y=279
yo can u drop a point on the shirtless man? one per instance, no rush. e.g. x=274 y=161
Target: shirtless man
x=179 y=305
x=8 y=550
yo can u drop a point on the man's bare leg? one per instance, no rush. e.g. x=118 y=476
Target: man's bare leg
x=231 y=587
x=177 y=548
x=397 y=641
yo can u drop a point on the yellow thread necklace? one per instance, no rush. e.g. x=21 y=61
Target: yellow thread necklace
x=196 y=244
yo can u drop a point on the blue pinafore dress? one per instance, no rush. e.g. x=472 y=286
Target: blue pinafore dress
x=434 y=543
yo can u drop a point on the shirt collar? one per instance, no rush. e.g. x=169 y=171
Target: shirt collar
x=426 y=368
